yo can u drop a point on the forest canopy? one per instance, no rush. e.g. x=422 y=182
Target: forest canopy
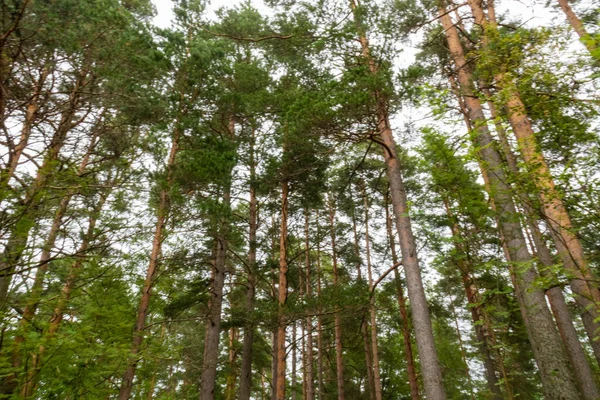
x=300 y=199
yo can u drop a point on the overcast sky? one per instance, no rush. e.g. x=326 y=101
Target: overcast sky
x=535 y=14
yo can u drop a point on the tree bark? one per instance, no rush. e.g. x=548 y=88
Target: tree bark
x=213 y=324
x=153 y=264
x=474 y=307
x=430 y=367
x=29 y=386
x=19 y=234
x=408 y=352
x=246 y=369
x=282 y=298
x=579 y=28
x=551 y=360
x=374 y=347
x=309 y=380
x=320 y=390
x=583 y=373
x=339 y=362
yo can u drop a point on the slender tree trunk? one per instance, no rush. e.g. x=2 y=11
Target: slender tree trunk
x=474 y=307
x=274 y=364
x=430 y=367
x=364 y=325
x=309 y=380
x=294 y=359
x=374 y=347
x=38 y=284
x=579 y=28
x=339 y=361
x=408 y=352
x=320 y=390
x=461 y=345
x=31 y=114
x=153 y=264
x=246 y=369
x=29 y=386
x=282 y=298
x=583 y=373
x=232 y=377
x=551 y=360
x=19 y=234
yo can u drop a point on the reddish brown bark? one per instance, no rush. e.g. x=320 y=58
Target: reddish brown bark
x=144 y=304
x=544 y=339
x=282 y=294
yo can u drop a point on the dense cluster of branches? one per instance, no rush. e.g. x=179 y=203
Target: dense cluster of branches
x=256 y=206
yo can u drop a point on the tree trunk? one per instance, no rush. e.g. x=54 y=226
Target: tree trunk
x=339 y=362
x=551 y=360
x=213 y=324
x=37 y=288
x=430 y=367
x=320 y=390
x=364 y=325
x=583 y=373
x=19 y=234
x=31 y=114
x=29 y=386
x=246 y=369
x=408 y=352
x=474 y=307
x=374 y=347
x=143 y=307
x=579 y=28
x=308 y=371
x=282 y=298
x=232 y=376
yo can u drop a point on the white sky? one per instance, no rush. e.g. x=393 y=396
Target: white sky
x=532 y=13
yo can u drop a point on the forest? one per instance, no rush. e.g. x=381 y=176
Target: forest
x=300 y=200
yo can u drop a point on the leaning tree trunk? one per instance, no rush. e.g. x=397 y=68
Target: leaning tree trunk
x=144 y=304
x=583 y=373
x=430 y=366
x=29 y=386
x=29 y=208
x=588 y=41
x=474 y=307
x=545 y=341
